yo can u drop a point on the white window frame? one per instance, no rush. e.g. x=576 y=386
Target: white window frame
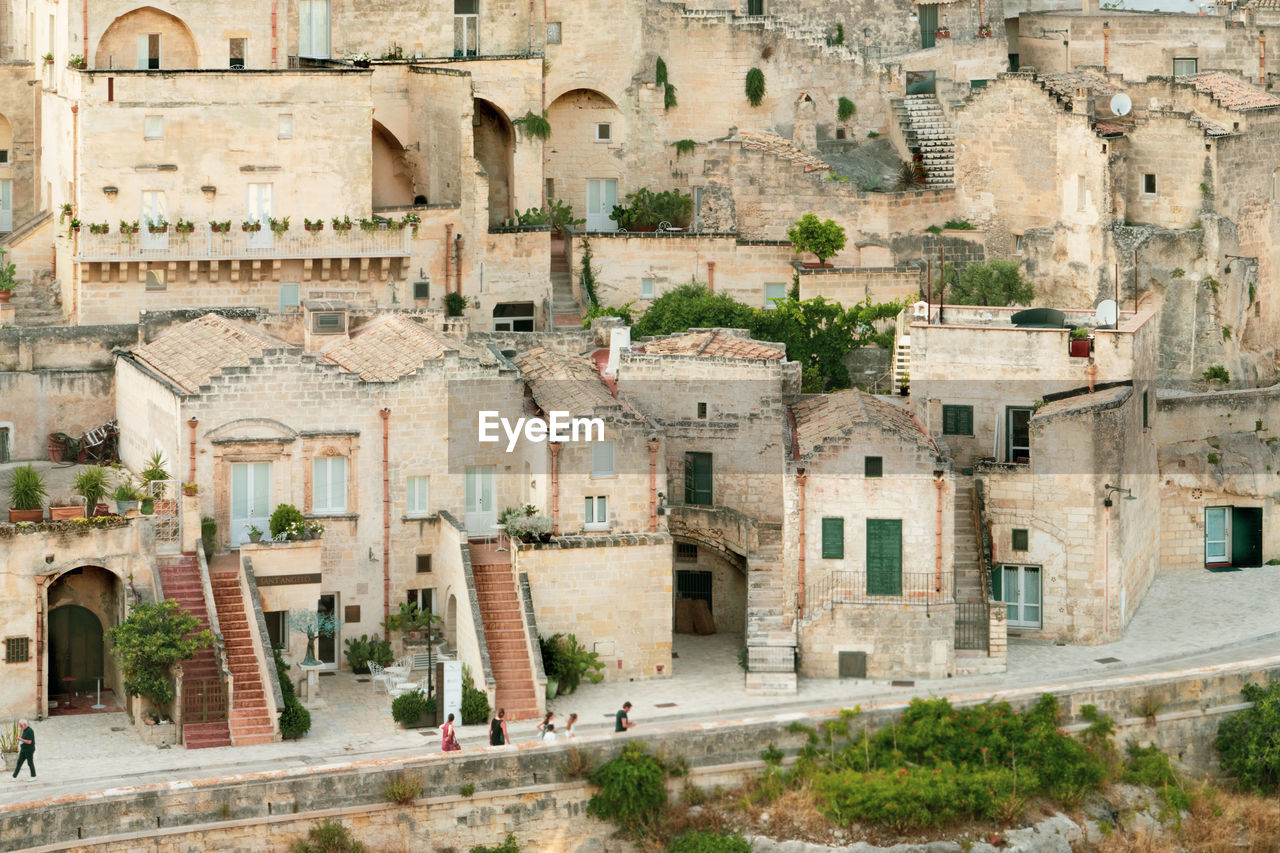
x=647 y=288
x=1150 y=193
x=1215 y=559
x=604 y=460
x=608 y=131
x=1081 y=193
x=416 y=495
x=1018 y=608
x=1018 y=244
x=290 y=295
x=284 y=126
x=555 y=32
x=309 y=27
x=470 y=32
x=153 y=127
x=331 y=497
x=1195 y=65
x=144 y=51
x=596 y=512
x=770 y=301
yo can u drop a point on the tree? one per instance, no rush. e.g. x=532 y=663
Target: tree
x=314 y=624
x=692 y=306
x=150 y=641
x=809 y=234
x=996 y=282
x=1249 y=742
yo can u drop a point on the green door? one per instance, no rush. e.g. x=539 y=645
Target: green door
x=75 y=649
x=1246 y=536
x=884 y=556
x=697 y=479
x=928 y=25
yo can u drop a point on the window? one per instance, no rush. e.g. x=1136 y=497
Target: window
x=1080 y=193
x=17 y=649
x=424 y=598
x=351 y=613
x=646 y=288
x=884 y=556
x=157 y=279
x=553 y=32
x=1148 y=184
x=697 y=479
x=1019 y=588
x=604 y=132
x=513 y=317
x=1020 y=539
x=327 y=323
x=154 y=127
x=423 y=564
x=833 y=538
x=597 y=513
x=289 y=297
x=978 y=84
x=1017 y=244
x=1182 y=67
x=873 y=466
x=329 y=484
x=284 y=126
x=702 y=411
x=416 y=496
x=602 y=461
x=957 y=420
x=149 y=51
x=774 y=292
x=686 y=552
x=313 y=28
x=4 y=156
x=1146 y=411
x=237 y=51
x=422 y=290
x=466 y=27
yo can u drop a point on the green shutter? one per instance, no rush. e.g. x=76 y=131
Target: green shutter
x=833 y=538
x=884 y=556
x=697 y=479
x=997 y=574
x=873 y=466
x=957 y=420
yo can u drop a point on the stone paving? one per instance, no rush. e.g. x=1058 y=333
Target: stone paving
x=1188 y=619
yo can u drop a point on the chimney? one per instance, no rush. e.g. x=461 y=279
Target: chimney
x=805 y=134
x=1082 y=101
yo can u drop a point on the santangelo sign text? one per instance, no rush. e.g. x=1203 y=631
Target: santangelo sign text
x=558 y=426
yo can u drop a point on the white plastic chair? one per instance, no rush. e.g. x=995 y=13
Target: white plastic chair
x=378 y=675
x=409 y=686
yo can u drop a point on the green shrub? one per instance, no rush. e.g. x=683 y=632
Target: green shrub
x=408 y=708
x=327 y=837
x=705 y=841
x=467 y=790
x=685 y=146
x=283 y=517
x=576 y=663
x=755 y=87
x=822 y=238
x=994 y=282
x=508 y=846
x=1247 y=740
x=1217 y=371
x=475 y=702
x=150 y=642
x=295 y=720
x=1148 y=766
x=771 y=755
x=660 y=72
x=454 y=304
x=535 y=126
x=845 y=109
x=632 y=792
x=958 y=225
x=669 y=99
x=362 y=650
x=914 y=797
x=27 y=489
x=402 y=789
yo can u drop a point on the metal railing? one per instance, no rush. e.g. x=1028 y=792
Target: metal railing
x=167 y=514
x=203 y=700
x=859 y=587
x=203 y=244
x=973 y=627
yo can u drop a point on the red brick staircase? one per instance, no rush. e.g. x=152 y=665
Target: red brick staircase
x=250 y=721
x=504 y=631
x=180 y=580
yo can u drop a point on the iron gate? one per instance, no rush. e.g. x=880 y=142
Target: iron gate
x=972 y=630
x=167 y=514
x=203 y=700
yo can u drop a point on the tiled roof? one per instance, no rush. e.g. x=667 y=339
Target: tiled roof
x=838 y=415
x=566 y=383
x=715 y=343
x=1109 y=128
x=1105 y=399
x=190 y=354
x=1210 y=128
x=391 y=347
x=780 y=146
x=1064 y=83
x=1231 y=92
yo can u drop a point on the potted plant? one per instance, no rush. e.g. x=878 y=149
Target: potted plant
x=10 y=742
x=413 y=710
x=127 y=497
x=822 y=238
x=413 y=220
x=984 y=31
x=1081 y=342
x=48 y=58
x=313 y=226
x=361 y=60
x=183 y=227
x=223 y=227
x=64 y=507
x=77 y=61
x=314 y=624
x=944 y=33
x=91 y=484
x=99 y=227
x=190 y=489
x=158 y=226
x=251 y=225
x=278 y=226
x=129 y=229
x=8 y=277
x=74 y=227
x=255 y=533
x=66 y=211
x=26 y=495
x=343 y=224
x=904 y=387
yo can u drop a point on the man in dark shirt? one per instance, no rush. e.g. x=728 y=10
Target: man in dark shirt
x=621 y=723
x=26 y=752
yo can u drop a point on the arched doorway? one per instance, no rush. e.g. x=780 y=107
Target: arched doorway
x=83 y=604
x=75 y=649
x=494 y=146
x=451 y=622
x=147 y=38
x=392 y=173
x=583 y=167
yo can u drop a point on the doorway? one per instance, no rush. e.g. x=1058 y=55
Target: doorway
x=154 y=211
x=1232 y=536
x=928 y=25
x=755 y=7
x=75 y=649
x=602 y=195
x=481 y=518
x=1019 y=588
x=250 y=499
x=327 y=647
x=1017 y=434
x=259 y=211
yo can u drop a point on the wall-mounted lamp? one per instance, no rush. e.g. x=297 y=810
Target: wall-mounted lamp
x=1112 y=490
x=1244 y=259
x=110 y=192
x=475 y=303
x=209 y=190
x=662 y=503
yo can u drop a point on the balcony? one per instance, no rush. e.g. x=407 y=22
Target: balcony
x=239 y=245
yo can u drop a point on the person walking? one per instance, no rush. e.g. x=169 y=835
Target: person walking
x=448 y=738
x=26 y=752
x=568 y=729
x=622 y=720
x=546 y=721
x=549 y=736
x=498 y=729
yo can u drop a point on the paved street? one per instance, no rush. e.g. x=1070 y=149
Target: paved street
x=1188 y=619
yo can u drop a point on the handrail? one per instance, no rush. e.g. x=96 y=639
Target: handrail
x=211 y=607
x=204 y=244
x=262 y=640
x=982 y=533
x=851 y=587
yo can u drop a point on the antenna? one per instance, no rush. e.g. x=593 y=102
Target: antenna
x=1121 y=104
x=1106 y=316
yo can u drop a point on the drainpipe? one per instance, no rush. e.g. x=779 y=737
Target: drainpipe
x=457 y=271
x=84 y=12
x=1106 y=45
x=1262 y=58
x=711 y=276
x=1106 y=563
x=531 y=27
x=939 y=484
x=653 y=485
x=448 y=258
x=386 y=518
x=275 y=34
x=40 y=603
x=191 y=451
x=801 y=479
x=555 y=488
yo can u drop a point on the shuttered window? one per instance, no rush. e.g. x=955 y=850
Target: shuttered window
x=833 y=538
x=697 y=479
x=957 y=420
x=884 y=556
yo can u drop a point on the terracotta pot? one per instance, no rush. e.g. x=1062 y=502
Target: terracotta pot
x=5 y=295
x=1081 y=347
x=60 y=513
x=34 y=515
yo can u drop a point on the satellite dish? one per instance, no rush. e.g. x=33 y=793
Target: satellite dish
x=1121 y=104
x=1106 y=316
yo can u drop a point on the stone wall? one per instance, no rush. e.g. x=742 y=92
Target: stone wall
x=852 y=285
x=899 y=642
x=17 y=135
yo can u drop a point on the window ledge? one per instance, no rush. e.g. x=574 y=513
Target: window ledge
x=419 y=516
x=597 y=528
x=338 y=516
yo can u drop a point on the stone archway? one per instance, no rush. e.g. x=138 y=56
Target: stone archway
x=392 y=172
x=494 y=145
x=169 y=41
x=84 y=602
x=583 y=166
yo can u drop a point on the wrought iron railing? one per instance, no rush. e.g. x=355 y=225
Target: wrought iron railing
x=973 y=619
x=861 y=587
x=973 y=626
x=203 y=244
x=203 y=700
x=167 y=514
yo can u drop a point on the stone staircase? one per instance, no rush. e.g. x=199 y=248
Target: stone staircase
x=504 y=631
x=968 y=577
x=771 y=636
x=180 y=580
x=37 y=301
x=565 y=311
x=249 y=720
x=927 y=132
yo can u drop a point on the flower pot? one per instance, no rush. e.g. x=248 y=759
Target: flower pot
x=904 y=390
x=191 y=490
x=5 y=295
x=100 y=510
x=61 y=513
x=425 y=719
x=553 y=687
x=10 y=760
x=361 y=63
x=255 y=537
x=1081 y=347
x=125 y=507
x=56 y=448
x=148 y=506
x=32 y=515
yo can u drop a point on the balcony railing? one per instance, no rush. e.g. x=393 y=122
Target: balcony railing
x=204 y=245
x=852 y=587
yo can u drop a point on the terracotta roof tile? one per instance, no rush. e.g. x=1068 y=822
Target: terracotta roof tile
x=1064 y=83
x=715 y=343
x=780 y=146
x=391 y=347
x=1109 y=128
x=191 y=354
x=838 y=415
x=566 y=383
x=1231 y=92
